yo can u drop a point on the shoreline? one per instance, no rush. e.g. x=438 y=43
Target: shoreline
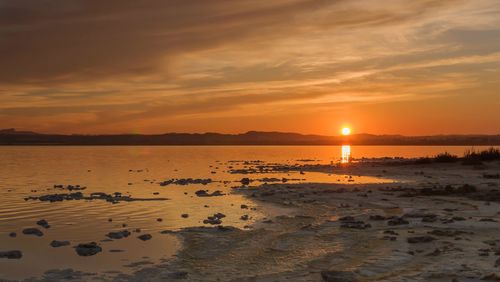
x=415 y=229
x=314 y=240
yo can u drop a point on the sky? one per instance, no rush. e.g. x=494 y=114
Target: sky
x=412 y=67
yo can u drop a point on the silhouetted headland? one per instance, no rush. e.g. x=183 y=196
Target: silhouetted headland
x=14 y=137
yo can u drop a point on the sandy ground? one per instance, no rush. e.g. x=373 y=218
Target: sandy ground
x=438 y=223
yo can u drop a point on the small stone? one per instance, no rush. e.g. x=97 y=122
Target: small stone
x=88 y=249
x=118 y=234
x=420 y=239
x=43 y=223
x=33 y=231
x=11 y=254
x=337 y=276
x=57 y=244
x=145 y=237
x=185 y=215
x=12 y=234
x=397 y=221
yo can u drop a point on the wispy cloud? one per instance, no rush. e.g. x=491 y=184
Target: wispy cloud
x=122 y=65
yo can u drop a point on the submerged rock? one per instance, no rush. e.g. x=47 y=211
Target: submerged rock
x=33 y=231
x=245 y=181
x=118 y=234
x=397 y=221
x=186 y=181
x=145 y=237
x=43 y=223
x=420 y=239
x=11 y=254
x=178 y=275
x=204 y=193
x=112 y=198
x=57 y=244
x=88 y=249
x=338 y=276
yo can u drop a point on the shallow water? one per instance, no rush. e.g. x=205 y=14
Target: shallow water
x=137 y=171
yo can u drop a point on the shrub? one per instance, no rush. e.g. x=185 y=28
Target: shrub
x=445 y=158
x=473 y=157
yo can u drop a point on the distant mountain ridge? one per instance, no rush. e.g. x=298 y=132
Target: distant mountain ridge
x=14 y=137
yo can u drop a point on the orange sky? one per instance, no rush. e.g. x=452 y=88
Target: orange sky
x=384 y=67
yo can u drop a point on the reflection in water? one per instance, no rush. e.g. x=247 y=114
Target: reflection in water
x=346 y=154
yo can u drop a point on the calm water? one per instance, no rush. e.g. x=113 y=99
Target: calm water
x=136 y=171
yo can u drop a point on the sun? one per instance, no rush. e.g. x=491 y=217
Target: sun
x=346 y=131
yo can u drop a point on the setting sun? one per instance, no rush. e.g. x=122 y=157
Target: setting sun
x=346 y=131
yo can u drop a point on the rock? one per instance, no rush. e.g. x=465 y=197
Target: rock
x=377 y=217
x=204 y=193
x=446 y=232
x=12 y=234
x=245 y=181
x=391 y=232
x=244 y=217
x=497 y=263
x=57 y=244
x=43 y=223
x=178 y=275
x=435 y=253
x=11 y=254
x=244 y=207
x=355 y=225
x=159 y=219
x=185 y=215
x=88 y=249
x=118 y=234
x=33 y=231
x=338 y=276
x=397 y=221
x=145 y=237
x=420 y=239
x=347 y=218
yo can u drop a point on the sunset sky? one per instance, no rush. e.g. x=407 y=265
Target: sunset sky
x=309 y=66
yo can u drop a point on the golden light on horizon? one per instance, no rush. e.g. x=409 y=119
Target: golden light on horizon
x=346 y=131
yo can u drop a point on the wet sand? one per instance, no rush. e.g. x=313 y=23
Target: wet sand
x=439 y=222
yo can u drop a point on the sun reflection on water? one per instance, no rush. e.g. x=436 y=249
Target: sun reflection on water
x=346 y=154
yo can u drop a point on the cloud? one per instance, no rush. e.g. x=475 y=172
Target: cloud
x=103 y=64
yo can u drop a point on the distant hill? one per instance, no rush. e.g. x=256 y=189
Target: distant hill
x=13 y=137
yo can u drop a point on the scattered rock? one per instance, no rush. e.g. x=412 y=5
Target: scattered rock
x=88 y=249
x=43 y=223
x=186 y=181
x=338 y=276
x=244 y=217
x=118 y=234
x=397 y=221
x=178 y=275
x=377 y=217
x=185 y=215
x=145 y=237
x=245 y=181
x=33 y=231
x=11 y=254
x=57 y=244
x=420 y=239
x=204 y=193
